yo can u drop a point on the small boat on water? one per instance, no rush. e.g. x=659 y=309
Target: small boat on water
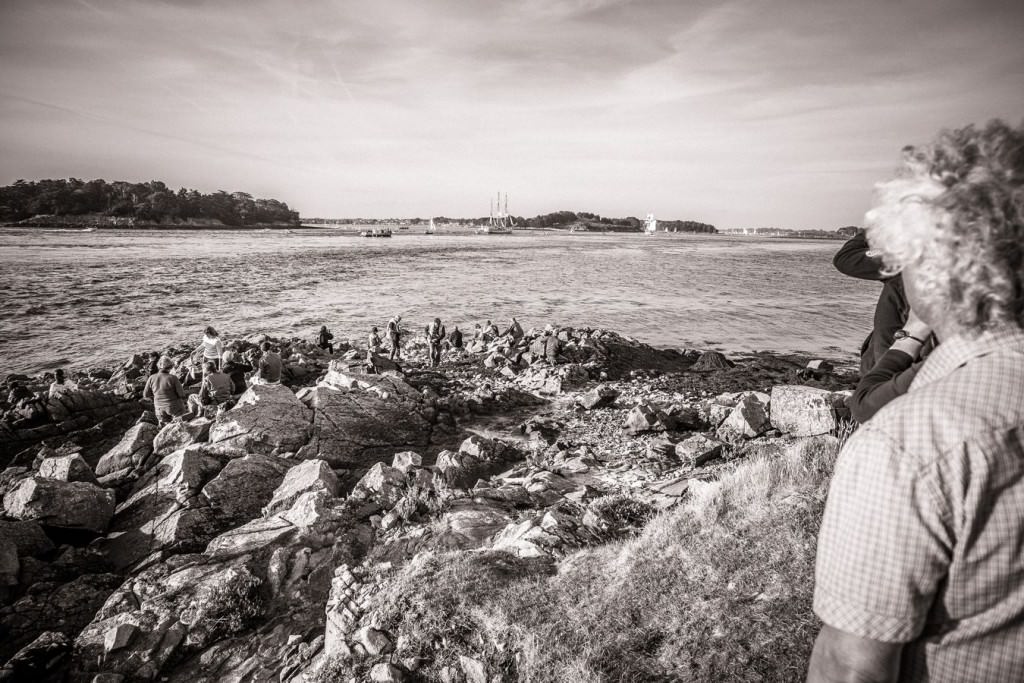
x=375 y=232
x=431 y=229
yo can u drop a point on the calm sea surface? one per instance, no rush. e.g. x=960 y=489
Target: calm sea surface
x=87 y=299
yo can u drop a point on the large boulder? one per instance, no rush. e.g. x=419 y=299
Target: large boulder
x=172 y=483
x=748 y=419
x=67 y=468
x=477 y=458
x=645 y=418
x=179 y=434
x=382 y=484
x=135 y=446
x=268 y=418
x=598 y=397
x=27 y=537
x=802 y=411
x=698 y=449
x=390 y=385
x=310 y=475
x=61 y=504
x=358 y=428
x=244 y=486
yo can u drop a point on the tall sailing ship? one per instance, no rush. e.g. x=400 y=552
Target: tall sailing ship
x=500 y=222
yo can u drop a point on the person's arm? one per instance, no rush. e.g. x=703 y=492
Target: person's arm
x=841 y=657
x=177 y=387
x=852 y=259
x=147 y=391
x=889 y=379
x=893 y=373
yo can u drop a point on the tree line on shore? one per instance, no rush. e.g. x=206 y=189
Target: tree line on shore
x=150 y=202
x=557 y=219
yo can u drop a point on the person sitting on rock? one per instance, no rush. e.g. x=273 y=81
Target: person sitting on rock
x=374 y=341
x=515 y=330
x=166 y=392
x=490 y=331
x=435 y=335
x=323 y=339
x=236 y=370
x=61 y=385
x=478 y=332
x=395 y=337
x=455 y=338
x=268 y=367
x=211 y=346
x=215 y=390
x=18 y=392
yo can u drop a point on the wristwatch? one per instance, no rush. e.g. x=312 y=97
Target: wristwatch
x=903 y=334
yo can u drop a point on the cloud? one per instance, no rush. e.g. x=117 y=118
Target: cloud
x=708 y=110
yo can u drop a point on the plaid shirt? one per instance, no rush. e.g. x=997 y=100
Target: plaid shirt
x=923 y=536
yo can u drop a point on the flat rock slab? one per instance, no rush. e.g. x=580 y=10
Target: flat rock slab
x=357 y=429
x=267 y=419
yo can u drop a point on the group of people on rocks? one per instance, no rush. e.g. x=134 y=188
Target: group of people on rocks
x=222 y=374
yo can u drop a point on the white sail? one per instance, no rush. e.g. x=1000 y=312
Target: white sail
x=651 y=224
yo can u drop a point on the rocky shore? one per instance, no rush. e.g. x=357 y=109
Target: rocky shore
x=315 y=531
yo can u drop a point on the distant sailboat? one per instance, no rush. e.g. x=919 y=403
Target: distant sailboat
x=431 y=229
x=651 y=224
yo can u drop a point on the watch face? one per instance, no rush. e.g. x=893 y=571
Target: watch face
x=900 y=334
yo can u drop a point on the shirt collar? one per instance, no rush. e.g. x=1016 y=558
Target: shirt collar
x=958 y=351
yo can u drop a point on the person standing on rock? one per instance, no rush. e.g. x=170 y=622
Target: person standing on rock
x=395 y=337
x=268 y=367
x=323 y=339
x=919 y=564
x=166 y=392
x=435 y=336
x=211 y=346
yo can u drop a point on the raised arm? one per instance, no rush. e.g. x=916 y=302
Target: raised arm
x=852 y=259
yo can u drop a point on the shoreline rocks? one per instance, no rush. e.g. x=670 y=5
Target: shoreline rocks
x=250 y=543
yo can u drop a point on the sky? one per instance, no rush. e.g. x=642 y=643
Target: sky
x=746 y=113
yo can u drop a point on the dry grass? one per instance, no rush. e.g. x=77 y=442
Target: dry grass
x=717 y=589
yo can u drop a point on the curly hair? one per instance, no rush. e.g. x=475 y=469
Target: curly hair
x=956 y=215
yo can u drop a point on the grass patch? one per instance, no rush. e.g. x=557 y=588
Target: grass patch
x=717 y=589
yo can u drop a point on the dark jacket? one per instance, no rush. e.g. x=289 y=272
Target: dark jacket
x=456 y=338
x=889 y=379
x=236 y=371
x=891 y=310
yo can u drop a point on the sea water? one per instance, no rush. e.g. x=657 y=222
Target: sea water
x=84 y=299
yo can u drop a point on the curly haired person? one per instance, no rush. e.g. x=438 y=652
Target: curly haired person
x=920 y=568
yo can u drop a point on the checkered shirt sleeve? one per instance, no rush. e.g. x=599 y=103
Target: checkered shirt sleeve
x=885 y=541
